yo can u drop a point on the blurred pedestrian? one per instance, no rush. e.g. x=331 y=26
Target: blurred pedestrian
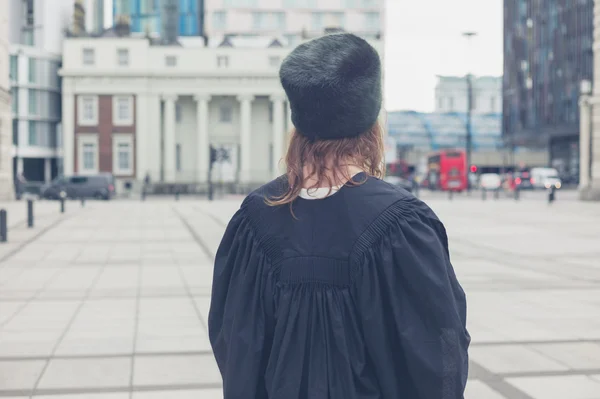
x=330 y=283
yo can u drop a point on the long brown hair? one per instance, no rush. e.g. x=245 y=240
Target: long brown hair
x=322 y=156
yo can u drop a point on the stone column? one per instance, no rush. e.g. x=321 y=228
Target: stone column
x=153 y=144
x=202 y=139
x=584 y=141
x=278 y=134
x=68 y=132
x=169 y=165
x=142 y=154
x=47 y=170
x=245 y=136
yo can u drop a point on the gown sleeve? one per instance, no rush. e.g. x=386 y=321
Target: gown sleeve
x=413 y=308
x=236 y=321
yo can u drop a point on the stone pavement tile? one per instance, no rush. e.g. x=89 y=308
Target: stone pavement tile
x=198 y=276
x=172 y=335
x=43 y=315
x=20 y=375
x=577 y=356
x=31 y=279
x=478 y=390
x=192 y=394
x=8 y=309
x=73 y=280
x=175 y=370
x=512 y=359
x=120 y=395
x=28 y=343
x=203 y=304
x=558 y=387
x=87 y=373
x=150 y=308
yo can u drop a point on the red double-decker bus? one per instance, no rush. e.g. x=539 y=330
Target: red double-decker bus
x=447 y=170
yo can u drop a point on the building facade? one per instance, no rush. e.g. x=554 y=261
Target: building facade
x=294 y=19
x=589 y=144
x=40 y=23
x=134 y=109
x=547 y=53
x=35 y=88
x=146 y=16
x=451 y=94
x=6 y=176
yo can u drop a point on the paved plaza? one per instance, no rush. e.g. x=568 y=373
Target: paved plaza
x=110 y=300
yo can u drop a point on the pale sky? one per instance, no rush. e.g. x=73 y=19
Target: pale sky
x=424 y=39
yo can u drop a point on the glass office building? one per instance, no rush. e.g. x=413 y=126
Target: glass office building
x=547 y=53
x=145 y=15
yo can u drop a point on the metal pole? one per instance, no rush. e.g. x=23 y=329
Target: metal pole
x=469 y=137
x=62 y=205
x=3 y=226
x=29 y=213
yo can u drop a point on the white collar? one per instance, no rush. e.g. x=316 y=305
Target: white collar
x=318 y=193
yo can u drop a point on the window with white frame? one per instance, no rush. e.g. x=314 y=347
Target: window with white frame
x=87 y=153
x=87 y=113
x=219 y=20
x=122 y=110
x=123 y=57
x=222 y=61
x=170 y=61
x=88 y=56
x=225 y=113
x=372 y=21
x=274 y=60
x=122 y=154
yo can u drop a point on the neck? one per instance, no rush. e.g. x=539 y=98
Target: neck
x=337 y=177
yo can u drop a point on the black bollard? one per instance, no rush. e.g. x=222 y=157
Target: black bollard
x=62 y=205
x=3 y=226
x=551 y=195
x=176 y=195
x=29 y=213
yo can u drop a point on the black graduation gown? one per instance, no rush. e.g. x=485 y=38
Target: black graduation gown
x=354 y=298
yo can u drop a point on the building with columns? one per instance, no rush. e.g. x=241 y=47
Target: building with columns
x=6 y=176
x=589 y=125
x=132 y=108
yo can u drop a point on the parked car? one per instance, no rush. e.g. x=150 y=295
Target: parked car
x=542 y=178
x=399 y=182
x=101 y=186
x=490 y=181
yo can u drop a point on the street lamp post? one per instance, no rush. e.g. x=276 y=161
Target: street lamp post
x=469 y=135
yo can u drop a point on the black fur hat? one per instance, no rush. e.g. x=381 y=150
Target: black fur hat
x=333 y=84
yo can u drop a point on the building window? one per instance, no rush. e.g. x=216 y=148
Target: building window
x=170 y=61
x=225 y=114
x=14 y=68
x=87 y=153
x=122 y=110
x=32 y=133
x=88 y=56
x=372 y=21
x=123 y=154
x=178 y=157
x=123 y=57
x=317 y=21
x=274 y=60
x=32 y=70
x=222 y=61
x=89 y=157
x=33 y=101
x=219 y=20
x=87 y=110
x=268 y=20
x=15 y=100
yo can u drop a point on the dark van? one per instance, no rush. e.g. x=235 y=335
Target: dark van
x=101 y=186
